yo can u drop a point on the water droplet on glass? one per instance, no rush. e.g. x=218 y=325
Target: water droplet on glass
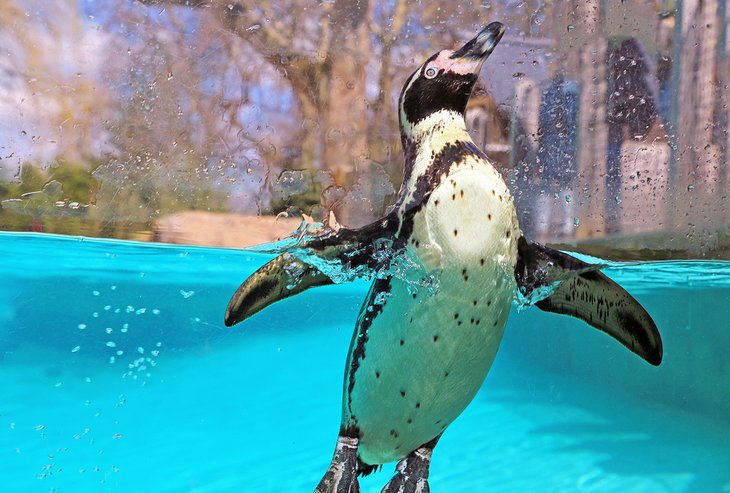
x=570 y=27
x=253 y=28
x=690 y=188
x=576 y=222
x=568 y=198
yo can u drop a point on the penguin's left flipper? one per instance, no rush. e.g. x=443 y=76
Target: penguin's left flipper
x=287 y=275
x=585 y=293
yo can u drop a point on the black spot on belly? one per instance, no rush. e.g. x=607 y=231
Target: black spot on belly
x=446 y=374
x=377 y=374
x=409 y=420
x=394 y=433
x=402 y=393
x=481 y=261
x=402 y=342
x=436 y=338
x=489 y=217
x=456 y=232
x=474 y=302
x=453 y=197
x=418 y=405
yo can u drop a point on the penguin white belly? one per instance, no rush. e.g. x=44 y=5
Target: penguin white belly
x=424 y=355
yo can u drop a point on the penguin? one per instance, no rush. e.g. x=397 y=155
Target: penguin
x=447 y=262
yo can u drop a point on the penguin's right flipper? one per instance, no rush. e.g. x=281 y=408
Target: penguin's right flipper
x=280 y=278
x=287 y=275
x=585 y=293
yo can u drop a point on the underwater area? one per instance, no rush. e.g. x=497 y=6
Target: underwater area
x=119 y=375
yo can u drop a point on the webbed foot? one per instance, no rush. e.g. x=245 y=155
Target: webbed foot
x=341 y=476
x=412 y=472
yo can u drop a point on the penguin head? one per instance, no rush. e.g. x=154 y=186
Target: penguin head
x=440 y=88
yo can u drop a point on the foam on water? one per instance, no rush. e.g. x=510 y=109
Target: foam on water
x=180 y=403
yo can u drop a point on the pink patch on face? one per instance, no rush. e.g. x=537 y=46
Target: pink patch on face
x=459 y=66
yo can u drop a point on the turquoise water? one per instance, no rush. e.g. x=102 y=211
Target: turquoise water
x=117 y=374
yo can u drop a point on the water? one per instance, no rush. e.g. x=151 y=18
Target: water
x=117 y=374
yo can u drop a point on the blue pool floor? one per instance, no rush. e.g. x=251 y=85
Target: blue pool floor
x=257 y=413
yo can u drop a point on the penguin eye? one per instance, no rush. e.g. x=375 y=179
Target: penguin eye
x=430 y=72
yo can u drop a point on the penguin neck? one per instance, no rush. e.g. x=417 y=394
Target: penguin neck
x=425 y=141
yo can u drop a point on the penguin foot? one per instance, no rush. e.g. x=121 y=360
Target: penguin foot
x=412 y=473
x=341 y=476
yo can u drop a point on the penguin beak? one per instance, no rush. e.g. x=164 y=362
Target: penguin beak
x=479 y=48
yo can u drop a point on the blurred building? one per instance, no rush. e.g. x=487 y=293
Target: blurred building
x=640 y=143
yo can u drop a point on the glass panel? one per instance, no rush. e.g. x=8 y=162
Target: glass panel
x=609 y=122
